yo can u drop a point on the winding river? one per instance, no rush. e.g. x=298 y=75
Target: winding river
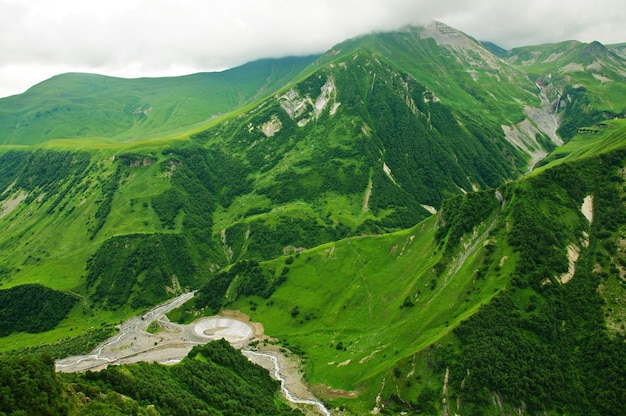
x=283 y=383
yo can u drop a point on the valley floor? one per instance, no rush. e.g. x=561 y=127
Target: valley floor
x=172 y=342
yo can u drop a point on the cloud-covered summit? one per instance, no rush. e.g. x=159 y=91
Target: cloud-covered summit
x=133 y=38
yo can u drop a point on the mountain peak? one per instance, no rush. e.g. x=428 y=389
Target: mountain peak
x=595 y=49
x=446 y=35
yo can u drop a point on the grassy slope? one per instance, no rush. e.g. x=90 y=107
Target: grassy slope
x=605 y=139
x=89 y=105
x=365 y=280
x=457 y=68
x=352 y=292
x=145 y=183
x=326 y=166
x=53 y=249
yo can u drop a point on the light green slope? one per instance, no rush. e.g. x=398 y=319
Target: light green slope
x=376 y=316
x=88 y=105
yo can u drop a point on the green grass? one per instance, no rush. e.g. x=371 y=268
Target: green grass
x=376 y=294
x=79 y=321
x=351 y=292
x=53 y=249
x=354 y=293
x=133 y=211
x=131 y=109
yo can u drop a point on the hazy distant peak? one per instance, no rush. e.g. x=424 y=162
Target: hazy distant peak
x=494 y=49
x=446 y=35
x=596 y=49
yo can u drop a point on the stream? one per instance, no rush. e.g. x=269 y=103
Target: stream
x=283 y=386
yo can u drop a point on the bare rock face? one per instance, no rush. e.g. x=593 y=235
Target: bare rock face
x=271 y=127
x=292 y=103
x=303 y=109
x=446 y=35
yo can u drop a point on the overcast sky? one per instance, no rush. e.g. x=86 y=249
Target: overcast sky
x=132 y=38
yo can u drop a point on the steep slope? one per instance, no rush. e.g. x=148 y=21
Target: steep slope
x=454 y=66
x=480 y=87
x=618 y=48
x=89 y=105
x=382 y=127
x=371 y=138
x=495 y=49
x=359 y=135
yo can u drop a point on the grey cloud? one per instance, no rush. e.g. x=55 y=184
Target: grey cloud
x=160 y=36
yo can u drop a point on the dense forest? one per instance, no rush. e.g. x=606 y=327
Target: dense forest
x=151 y=266
x=543 y=346
x=32 y=308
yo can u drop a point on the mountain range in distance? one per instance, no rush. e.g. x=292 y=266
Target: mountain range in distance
x=431 y=224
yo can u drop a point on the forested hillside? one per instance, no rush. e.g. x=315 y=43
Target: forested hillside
x=545 y=343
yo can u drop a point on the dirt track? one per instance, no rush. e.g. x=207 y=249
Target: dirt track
x=133 y=343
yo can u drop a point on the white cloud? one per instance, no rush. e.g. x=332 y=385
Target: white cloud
x=39 y=38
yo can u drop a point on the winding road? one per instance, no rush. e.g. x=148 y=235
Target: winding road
x=120 y=347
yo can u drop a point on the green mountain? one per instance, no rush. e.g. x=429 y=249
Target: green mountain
x=619 y=48
x=584 y=83
x=485 y=307
x=95 y=106
x=372 y=207
x=495 y=49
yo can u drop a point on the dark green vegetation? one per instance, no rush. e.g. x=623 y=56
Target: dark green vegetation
x=32 y=308
x=30 y=386
x=387 y=129
x=542 y=345
x=140 y=270
x=309 y=209
x=50 y=174
x=214 y=379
